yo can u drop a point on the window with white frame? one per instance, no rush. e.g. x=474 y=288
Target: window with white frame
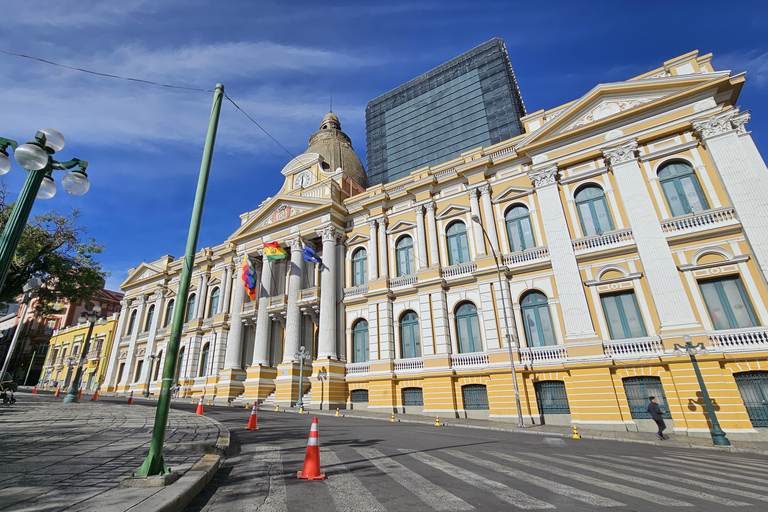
x=359 y=267
x=593 y=210
x=458 y=244
x=519 y=230
x=404 y=260
x=623 y=315
x=727 y=302
x=682 y=189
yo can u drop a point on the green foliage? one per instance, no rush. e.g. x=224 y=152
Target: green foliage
x=53 y=247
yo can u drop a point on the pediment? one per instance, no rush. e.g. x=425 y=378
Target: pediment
x=301 y=162
x=512 y=192
x=278 y=210
x=401 y=225
x=452 y=211
x=357 y=238
x=140 y=273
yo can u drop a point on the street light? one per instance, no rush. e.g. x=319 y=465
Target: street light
x=301 y=355
x=151 y=358
x=92 y=319
x=36 y=158
x=510 y=339
x=718 y=436
x=30 y=287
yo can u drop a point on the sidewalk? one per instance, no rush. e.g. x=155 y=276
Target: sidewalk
x=57 y=456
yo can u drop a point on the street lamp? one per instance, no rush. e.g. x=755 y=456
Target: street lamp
x=510 y=339
x=718 y=436
x=301 y=355
x=30 y=287
x=151 y=358
x=92 y=319
x=36 y=158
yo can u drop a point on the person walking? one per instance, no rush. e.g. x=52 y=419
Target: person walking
x=658 y=416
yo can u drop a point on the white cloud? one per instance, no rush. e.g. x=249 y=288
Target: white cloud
x=754 y=63
x=75 y=13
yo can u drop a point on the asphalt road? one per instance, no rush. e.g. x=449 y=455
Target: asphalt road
x=381 y=466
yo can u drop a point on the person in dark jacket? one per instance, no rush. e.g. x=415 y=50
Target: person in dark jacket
x=658 y=416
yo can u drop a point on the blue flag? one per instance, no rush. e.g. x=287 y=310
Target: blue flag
x=309 y=253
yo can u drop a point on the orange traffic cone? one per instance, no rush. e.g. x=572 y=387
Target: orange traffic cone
x=311 y=470
x=130 y=399
x=34 y=390
x=58 y=388
x=80 y=394
x=252 y=420
x=200 y=406
x=95 y=395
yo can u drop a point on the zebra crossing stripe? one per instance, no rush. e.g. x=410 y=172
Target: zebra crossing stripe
x=431 y=494
x=737 y=466
x=270 y=460
x=349 y=495
x=644 y=481
x=557 y=488
x=677 y=478
x=622 y=489
x=708 y=465
x=512 y=496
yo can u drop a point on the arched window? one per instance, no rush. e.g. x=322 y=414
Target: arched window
x=537 y=320
x=169 y=313
x=359 y=267
x=519 y=229
x=157 y=364
x=404 y=249
x=468 y=328
x=214 y=305
x=132 y=322
x=410 y=344
x=593 y=210
x=150 y=316
x=191 y=307
x=681 y=189
x=458 y=246
x=360 y=341
x=180 y=364
x=204 y=361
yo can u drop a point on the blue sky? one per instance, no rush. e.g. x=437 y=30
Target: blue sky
x=280 y=61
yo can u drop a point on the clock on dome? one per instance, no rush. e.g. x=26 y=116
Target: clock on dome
x=302 y=179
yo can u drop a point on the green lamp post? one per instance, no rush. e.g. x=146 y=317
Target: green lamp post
x=92 y=319
x=36 y=157
x=302 y=355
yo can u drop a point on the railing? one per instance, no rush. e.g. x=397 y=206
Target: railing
x=162 y=330
x=397 y=282
x=603 y=241
x=554 y=354
x=469 y=360
x=699 y=221
x=526 y=256
x=739 y=340
x=278 y=301
x=409 y=364
x=310 y=293
x=502 y=152
x=94 y=354
x=208 y=322
x=446 y=172
x=461 y=269
x=355 y=291
x=353 y=368
x=633 y=348
x=396 y=190
x=249 y=307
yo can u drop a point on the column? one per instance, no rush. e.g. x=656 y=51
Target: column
x=113 y=363
x=421 y=239
x=202 y=294
x=573 y=300
x=474 y=210
x=383 y=250
x=490 y=223
x=227 y=295
x=341 y=347
x=232 y=358
x=293 y=314
x=158 y=301
x=128 y=372
x=326 y=343
x=262 y=339
x=669 y=296
x=432 y=224
x=373 y=252
x=743 y=173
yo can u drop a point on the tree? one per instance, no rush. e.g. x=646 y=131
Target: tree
x=53 y=247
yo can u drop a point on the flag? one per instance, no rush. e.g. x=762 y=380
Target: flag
x=249 y=278
x=274 y=252
x=309 y=253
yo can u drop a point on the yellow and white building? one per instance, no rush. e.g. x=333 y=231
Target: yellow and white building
x=624 y=221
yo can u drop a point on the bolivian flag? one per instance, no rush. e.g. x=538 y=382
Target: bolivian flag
x=274 y=252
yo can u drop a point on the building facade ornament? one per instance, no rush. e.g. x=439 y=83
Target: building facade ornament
x=739 y=121
x=716 y=124
x=328 y=233
x=622 y=153
x=544 y=177
x=430 y=206
x=294 y=244
x=485 y=189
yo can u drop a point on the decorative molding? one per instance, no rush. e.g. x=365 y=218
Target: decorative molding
x=430 y=206
x=357 y=238
x=694 y=267
x=401 y=225
x=613 y=135
x=452 y=211
x=704 y=104
x=622 y=153
x=281 y=213
x=720 y=123
x=622 y=279
x=485 y=189
x=294 y=244
x=739 y=121
x=328 y=233
x=544 y=177
x=608 y=108
x=512 y=192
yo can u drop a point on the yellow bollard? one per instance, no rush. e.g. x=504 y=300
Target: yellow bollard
x=229 y=403
x=246 y=405
x=393 y=417
x=337 y=412
x=209 y=402
x=301 y=410
x=437 y=420
x=277 y=408
x=576 y=433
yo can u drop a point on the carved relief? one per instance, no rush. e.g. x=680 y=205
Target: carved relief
x=147 y=273
x=544 y=177
x=607 y=108
x=720 y=123
x=281 y=213
x=328 y=233
x=621 y=153
x=485 y=189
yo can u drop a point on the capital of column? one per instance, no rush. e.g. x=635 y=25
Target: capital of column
x=328 y=233
x=622 y=153
x=294 y=244
x=141 y=299
x=472 y=192
x=419 y=209
x=125 y=303
x=544 y=177
x=485 y=189
x=157 y=294
x=719 y=124
x=382 y=223
x=372 y=223
x=430 y=207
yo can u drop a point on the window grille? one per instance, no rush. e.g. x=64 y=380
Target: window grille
x=475 y=397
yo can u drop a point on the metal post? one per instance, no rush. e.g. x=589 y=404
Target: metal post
x=154 y=465
x=718 y=436
x=75 y=384
x=301 y=354
x=14 y=340
x=151 y=358
x=34 y=353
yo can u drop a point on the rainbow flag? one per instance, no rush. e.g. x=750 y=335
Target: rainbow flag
x=273 y=251
x=249 y=278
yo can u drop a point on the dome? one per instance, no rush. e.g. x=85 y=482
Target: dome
x=335 y=147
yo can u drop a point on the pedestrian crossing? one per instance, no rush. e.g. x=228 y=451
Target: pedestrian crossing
x=381 y=479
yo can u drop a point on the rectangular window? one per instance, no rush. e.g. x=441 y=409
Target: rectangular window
x=475 y=397
x=359 y=396
x=727 y=303
x=639 y=390
x=623 y=315
x=551 y=397
x=413 y=397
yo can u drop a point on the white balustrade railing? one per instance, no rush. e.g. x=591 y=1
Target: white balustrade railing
x=553 y=354
x=280 y=300
x=397 y=282
x=633 y=348
x=469 y=360
x=208 y=322
x=409 y=364
x=526 y=256
x=739 y=340
x=603 y=241
x=699 y=221
x=353 y=368
x=396 y=190
x=310 y=293
x=250 y=307
x=502 y=152
x=445 y=172
x=355 y=291
x=462 y=269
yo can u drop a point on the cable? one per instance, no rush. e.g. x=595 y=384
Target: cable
x=257 y=124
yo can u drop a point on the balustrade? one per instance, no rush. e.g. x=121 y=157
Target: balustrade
x=739 y=340
x=603 y=241
x=524 y=257
x=469 y=360
x=700 y=221
x=355 y=291
x=554 y=354
x=409 y=364
x=353 y=368
x=636 y=348
x=397 y=282
x=461 y=269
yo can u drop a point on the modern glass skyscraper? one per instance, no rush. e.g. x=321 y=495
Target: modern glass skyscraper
x=472 y=100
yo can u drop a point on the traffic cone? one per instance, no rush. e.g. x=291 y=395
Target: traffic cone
x=200 y=406
x=576 y=433
x=437 y=420
x=80 y=394
x=58 y=388
x=252 y=420
x=311 y=469
x=337 y=412
x=34 y=390
x=130 y=398
x=95 y=395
